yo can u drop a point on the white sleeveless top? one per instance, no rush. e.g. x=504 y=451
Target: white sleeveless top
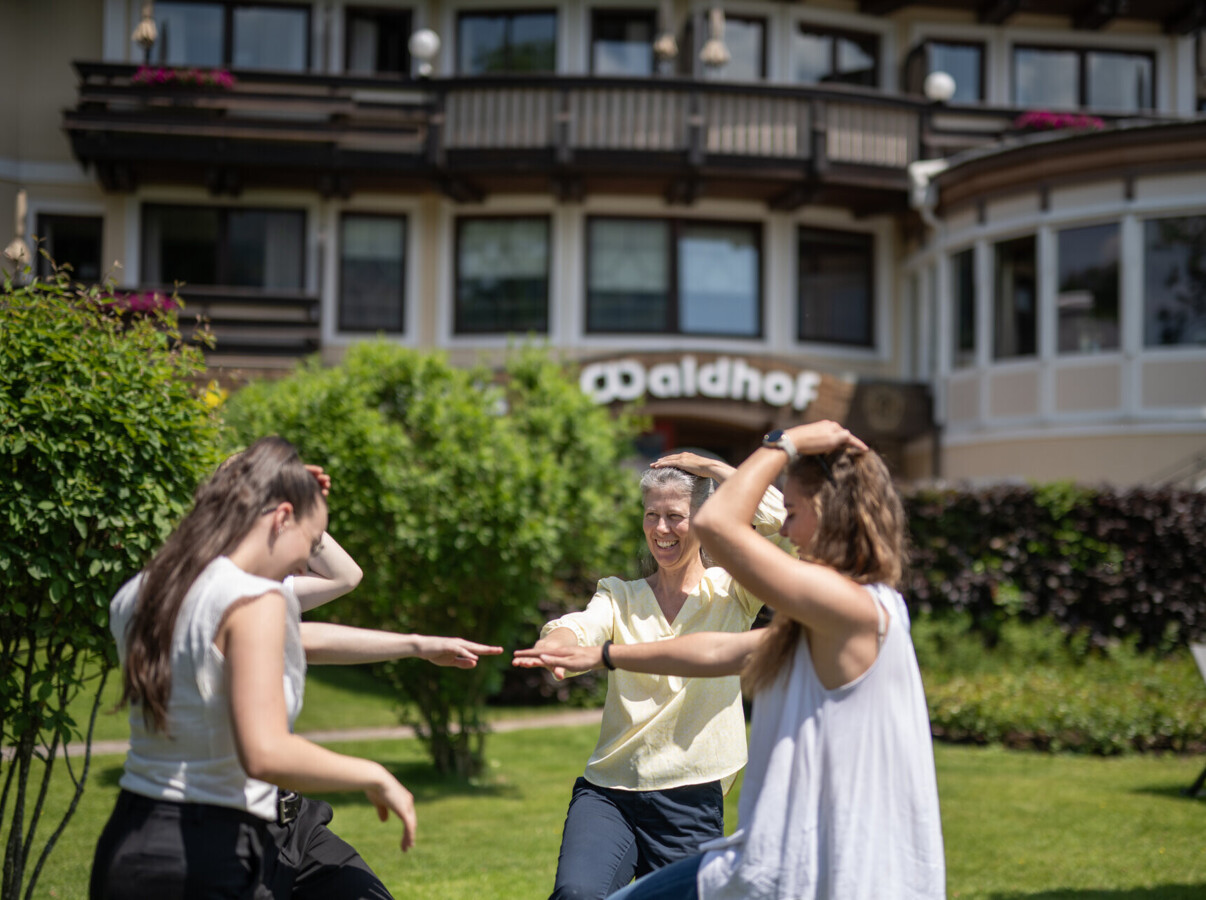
x=840 y=800
x=194 y=760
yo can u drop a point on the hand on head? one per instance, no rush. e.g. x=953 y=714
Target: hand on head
x=694 y=464
x=815 y=438
x=323 y=479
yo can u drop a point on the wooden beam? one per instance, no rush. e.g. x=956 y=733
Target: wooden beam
x=794 y=197
x=1189 y=18
x=1096 y=14
x=995 y=12
x=882 y=7
x=684 y=191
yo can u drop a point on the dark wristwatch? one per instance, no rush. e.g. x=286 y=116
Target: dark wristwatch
x=778 y=440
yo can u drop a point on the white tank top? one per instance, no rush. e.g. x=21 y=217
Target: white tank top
x=840 y=800
x=194 y=760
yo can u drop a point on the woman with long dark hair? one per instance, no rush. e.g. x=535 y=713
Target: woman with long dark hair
x=213 y=668
x=840 y=800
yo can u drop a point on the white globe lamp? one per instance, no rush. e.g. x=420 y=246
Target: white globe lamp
x=424 y=44
x=939 y=87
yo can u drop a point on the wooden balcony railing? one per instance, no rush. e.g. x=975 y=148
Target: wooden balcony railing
x=252 y=328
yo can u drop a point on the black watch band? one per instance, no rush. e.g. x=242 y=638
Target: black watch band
x=607 y=657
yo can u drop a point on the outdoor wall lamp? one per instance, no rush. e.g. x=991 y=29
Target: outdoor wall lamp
x=424 y=44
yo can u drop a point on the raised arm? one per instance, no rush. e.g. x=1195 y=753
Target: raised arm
x=815 y=595
x=252 y=640
x=705 y=654
x=328 y=644
x=335 y=573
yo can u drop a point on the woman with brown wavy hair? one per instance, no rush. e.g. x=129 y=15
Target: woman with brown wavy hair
x=213 y=668
x=840 y=800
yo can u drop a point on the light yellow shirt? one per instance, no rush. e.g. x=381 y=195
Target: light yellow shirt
x=663 y=731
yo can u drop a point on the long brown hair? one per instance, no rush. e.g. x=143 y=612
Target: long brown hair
x=860 y=533
x=245 y=487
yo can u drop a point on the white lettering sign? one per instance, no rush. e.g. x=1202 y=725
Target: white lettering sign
x=723 y=378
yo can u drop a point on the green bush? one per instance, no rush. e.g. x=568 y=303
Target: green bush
x=103 y=438
x=1036 y=688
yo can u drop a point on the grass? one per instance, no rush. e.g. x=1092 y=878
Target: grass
x=1018 y=825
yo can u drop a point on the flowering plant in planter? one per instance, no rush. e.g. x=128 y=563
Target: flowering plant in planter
x=140 y=301
x=213 y=78
x=1044 y=120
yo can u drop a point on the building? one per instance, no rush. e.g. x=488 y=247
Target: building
x=740 y=215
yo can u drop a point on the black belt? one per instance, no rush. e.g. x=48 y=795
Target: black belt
x=288 y=804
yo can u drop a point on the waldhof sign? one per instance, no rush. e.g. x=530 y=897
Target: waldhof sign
x=722 y=378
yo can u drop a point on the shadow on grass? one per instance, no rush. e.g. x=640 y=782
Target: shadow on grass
x=1169 y=792
x=1160 y=892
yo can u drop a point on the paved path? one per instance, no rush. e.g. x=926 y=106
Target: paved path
x=549 y=720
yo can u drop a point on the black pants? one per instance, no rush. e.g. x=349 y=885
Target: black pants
x=612 y=836
x=179 y=851
x=311 y=862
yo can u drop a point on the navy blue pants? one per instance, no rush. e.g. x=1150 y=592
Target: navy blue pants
x=612 y=836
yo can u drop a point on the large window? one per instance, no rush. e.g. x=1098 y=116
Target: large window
x=836 y=287
x=1015 y=299
x=1174 y=267
x=621 y=42
x=376 y=41
x=745 y=37
x=1088 y=289
x=502 y=275
x=963 y=310
x=674 y=276
x=498 y=42
x=1113 y=80
x=232 y=247
x=73 y=241
x=820 y=55
x=241 y=35
x=372 y=273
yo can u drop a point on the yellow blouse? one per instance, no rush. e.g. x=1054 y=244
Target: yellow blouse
x=663 y=731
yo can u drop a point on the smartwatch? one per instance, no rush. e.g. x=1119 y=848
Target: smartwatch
x=778 y=440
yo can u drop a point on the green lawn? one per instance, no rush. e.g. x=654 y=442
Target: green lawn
x=1018 y=825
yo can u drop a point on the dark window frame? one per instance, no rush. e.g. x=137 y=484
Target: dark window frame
x=369 y=11
x=632 y=12
x=458 y=329
x=504 y=13
x=44 y=220
x=872 y=239
x=1082 y=68
x=223 y=256
x=229 y=6
x=673 y=284
x=698 y=68
x=849 y=33
x=999 y=354
x=917 y=63
x=339 y=305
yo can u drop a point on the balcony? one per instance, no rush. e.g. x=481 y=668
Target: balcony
x=468 y=137
x=255 y=330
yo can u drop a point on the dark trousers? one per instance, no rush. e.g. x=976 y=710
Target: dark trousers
x=313 y=863
x=179 y=851
x=612 y=836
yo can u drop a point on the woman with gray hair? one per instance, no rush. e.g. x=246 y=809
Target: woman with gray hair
x=669 y=748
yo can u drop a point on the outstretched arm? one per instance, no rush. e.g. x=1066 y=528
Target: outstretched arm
x=328 y=644
x=706 y=654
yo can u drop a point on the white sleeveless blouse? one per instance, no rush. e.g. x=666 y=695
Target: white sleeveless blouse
x=194 y=760
x=840 y=799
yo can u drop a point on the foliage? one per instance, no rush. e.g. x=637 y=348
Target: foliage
x=1111 y=563
x=465 y=502
x=102 y=441
x=1036 y=688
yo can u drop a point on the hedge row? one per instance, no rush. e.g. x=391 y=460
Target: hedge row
x=1108 y=563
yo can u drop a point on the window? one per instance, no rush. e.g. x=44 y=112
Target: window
x=746 y=39
x=836 y=287
x=963 y=281
x=372 y=273
x=502 y=275
x=821 y=56
x=71 y=241
x=1068 y=78
x=241 y=35
x=674 y=276
x=963 y=62
x=232 y=247
x=489 y=42
x=376 y=41
x=1015 y=299
x=1087 y=302
x=1174 y=275
x=622 y=42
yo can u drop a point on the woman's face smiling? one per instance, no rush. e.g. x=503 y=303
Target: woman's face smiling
x=668 y=528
